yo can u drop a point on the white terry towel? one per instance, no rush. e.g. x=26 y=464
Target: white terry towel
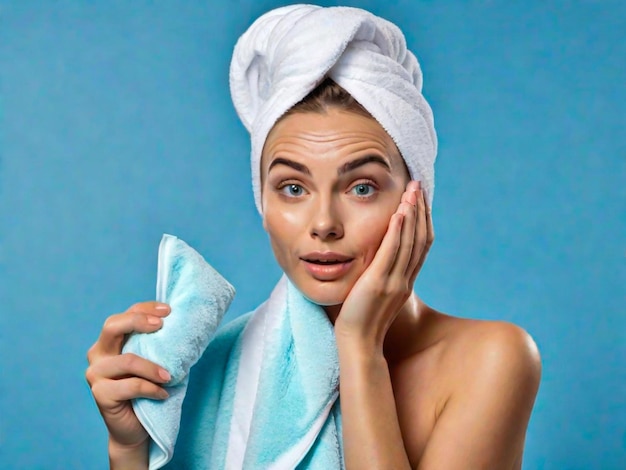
x=288 y=51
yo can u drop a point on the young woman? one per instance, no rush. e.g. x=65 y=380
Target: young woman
x=351 y=229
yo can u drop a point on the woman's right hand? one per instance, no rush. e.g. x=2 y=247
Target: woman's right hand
x=117 y=378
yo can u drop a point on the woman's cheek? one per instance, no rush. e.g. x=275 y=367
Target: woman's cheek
x=292 y=217
x=282 y=225
x=371 y=231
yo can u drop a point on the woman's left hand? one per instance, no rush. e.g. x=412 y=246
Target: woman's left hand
x=378 y=295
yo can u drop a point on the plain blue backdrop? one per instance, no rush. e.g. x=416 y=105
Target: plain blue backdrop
x=117 y=126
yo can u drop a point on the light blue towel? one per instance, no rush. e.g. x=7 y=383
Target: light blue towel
x=198 y=296
x=264 y=395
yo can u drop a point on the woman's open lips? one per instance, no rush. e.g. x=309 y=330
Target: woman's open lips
x=326 y=266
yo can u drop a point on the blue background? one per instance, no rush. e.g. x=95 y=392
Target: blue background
x=117 y=126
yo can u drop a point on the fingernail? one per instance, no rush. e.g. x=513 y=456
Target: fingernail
x=154 y=320
x=163 y=394
x=162 y=307
x=165 y=375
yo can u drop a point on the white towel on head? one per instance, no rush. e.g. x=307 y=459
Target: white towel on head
x=288 y=51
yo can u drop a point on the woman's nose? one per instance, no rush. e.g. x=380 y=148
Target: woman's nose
x=326 y=221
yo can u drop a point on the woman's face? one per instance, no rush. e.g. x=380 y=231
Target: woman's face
x=330 y=183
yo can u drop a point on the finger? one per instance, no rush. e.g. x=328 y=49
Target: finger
x=386 y=254
x=152 y=307
x=411 y=187
x=430 y=238
x=109 y=393
x=140 y=318
x=126 y=365
x=425 y=235
x=418 y=234
x=407 y=239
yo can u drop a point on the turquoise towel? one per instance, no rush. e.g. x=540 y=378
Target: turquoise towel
x=199 y=296
x=265 y=393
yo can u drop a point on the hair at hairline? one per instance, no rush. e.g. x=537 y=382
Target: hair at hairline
x=327 y=95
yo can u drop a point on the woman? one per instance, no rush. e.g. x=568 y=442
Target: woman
x=343 y=181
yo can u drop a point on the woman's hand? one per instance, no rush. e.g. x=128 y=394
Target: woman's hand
x=117 y=378
x=384 y=287
x=371 y=430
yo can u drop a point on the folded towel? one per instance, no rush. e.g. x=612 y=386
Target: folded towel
x=288 y=51
x=198 y=296
x=264 y=391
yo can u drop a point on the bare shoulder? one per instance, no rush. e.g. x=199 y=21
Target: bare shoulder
x=494 y=351
x=491 y=373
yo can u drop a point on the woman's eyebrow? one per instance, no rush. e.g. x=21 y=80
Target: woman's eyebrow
x=290 y=163
x=354 y=164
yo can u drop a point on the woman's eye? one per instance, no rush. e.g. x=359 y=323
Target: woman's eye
x=363 y=189
x=293 y=190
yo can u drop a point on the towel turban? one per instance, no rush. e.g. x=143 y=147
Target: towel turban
x=288 y=51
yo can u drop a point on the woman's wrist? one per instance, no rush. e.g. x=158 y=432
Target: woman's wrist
x=128 y=457
x=357 y=349
x=358 y=343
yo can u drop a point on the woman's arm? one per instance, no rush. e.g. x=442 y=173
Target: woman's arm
x=483 y=423
x=371 y=431
x=128 y=458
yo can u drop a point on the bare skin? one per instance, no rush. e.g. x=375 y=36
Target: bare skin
x=419 y=389
x=117 y=378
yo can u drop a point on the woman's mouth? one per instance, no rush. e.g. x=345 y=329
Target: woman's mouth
x=326 y=266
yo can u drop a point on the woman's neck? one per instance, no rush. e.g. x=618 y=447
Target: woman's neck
x=402 y=337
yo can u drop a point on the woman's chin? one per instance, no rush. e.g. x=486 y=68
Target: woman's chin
x=326 y=302
x=323 y=299
x=330 y=304
x=323 y=294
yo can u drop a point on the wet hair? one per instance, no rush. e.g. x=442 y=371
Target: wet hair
x=327 y=95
